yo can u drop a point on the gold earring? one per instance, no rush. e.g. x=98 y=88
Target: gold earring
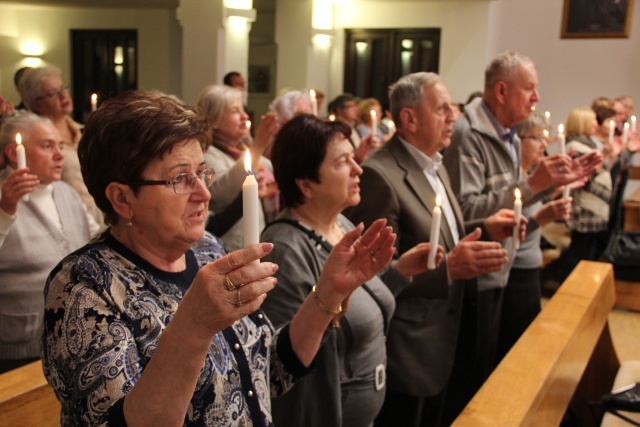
x=130 y=223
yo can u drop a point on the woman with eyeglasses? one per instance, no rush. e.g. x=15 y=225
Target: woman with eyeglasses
x=222 y=108
x=153 y=323
x=521 y=298
x=45 y=94
x=41 y=221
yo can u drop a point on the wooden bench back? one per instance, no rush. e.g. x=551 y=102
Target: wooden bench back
x=565 y=354
x=26 y=399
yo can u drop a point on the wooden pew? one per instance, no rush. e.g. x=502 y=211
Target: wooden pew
x=565 y=357
x=26 y=399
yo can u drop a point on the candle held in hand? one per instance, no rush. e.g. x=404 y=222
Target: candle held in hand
x=634 y=126
x=21 y=158
x=314 y=102
x=434 y=237
x=517 y=208
x=250 y=205
x=561 y=140
x=612 y=128
x=625 y=133
x=374 y=123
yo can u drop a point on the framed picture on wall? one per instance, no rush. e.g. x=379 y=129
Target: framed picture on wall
x=596 y=18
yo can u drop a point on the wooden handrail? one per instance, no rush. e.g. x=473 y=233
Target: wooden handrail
x=26 y=399
x=565 y=354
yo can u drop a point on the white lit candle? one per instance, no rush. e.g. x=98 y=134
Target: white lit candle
x=545 y=133
x=612 y=128
x=374 y=123
x=633 y=124
x=332 y=117
x=250 y=205
x=547 y=118
x=561 y=140
x=94 y=102
x=517 y=208
x=22 y=159
x=625 y=133
x=314 y=102
x=392 y=128
x=434 y=237
x=248 y=123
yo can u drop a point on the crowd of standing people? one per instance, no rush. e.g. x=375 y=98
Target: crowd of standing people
x=392 y=275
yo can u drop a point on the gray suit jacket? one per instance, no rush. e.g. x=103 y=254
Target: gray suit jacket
x=422 y=337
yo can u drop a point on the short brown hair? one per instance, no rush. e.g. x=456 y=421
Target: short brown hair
x=299 y=150
x=128 y=132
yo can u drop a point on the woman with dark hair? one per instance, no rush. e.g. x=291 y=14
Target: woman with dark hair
x=153 y=323
x=318 y=179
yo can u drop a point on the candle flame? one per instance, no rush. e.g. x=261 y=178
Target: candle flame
x=391 y=124
x=560 y=128
x=547 y=114
x=18 y=139
x=633 y=118
x=626 y=125
x=312 y=94
x=332 y=117
x=545 y=133
x=248 y=124
x=612 y=123
x=438 y=200
x=374 y=114
x=247 y=162
x=94 y=98
x=517 y=192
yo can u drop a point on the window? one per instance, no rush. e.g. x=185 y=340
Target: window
x=374 y=59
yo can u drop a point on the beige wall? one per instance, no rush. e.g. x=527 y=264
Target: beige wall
x=158 y=42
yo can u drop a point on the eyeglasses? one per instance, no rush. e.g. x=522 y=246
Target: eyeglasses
x=184 y=183
x=53 y=93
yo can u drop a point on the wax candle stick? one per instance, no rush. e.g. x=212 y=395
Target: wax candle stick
x=22 y=159
x=374 y=123
x=94 y=102
x=625 y=133
x=612 y=128
x=314 y=102
x=633 y=124
x=547 y=118
x=517 y=208
x=250 y=205
x=561 y=140
x=392 y=128
x=434 y=237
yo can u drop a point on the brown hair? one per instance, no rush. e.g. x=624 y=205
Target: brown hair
x=128 y=132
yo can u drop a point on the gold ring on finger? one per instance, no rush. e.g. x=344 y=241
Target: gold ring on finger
x=240 y=302
x=230 y=284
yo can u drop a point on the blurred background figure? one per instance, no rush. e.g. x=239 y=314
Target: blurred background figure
x=35 y=234
x=223 y=110
x=45 y=94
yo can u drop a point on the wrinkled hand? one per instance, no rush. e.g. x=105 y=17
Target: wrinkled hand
x=17 y=184
x=354 y=260
x=572 y=186
x=209 y=306
x=368 y=144
x=414 y=261
x=267 y=187
x=6 y=107
x=471 y=258
x=500 y=225
x=555 y=210
x=557 y=170
x=265 y=132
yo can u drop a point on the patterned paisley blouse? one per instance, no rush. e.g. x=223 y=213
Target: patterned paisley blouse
x=105 y=310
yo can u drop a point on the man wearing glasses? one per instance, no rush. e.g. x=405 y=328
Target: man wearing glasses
x=47 y=95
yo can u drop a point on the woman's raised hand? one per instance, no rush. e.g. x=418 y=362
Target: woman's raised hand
x=17 y=184
x=354 y=260
x=227 y=289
